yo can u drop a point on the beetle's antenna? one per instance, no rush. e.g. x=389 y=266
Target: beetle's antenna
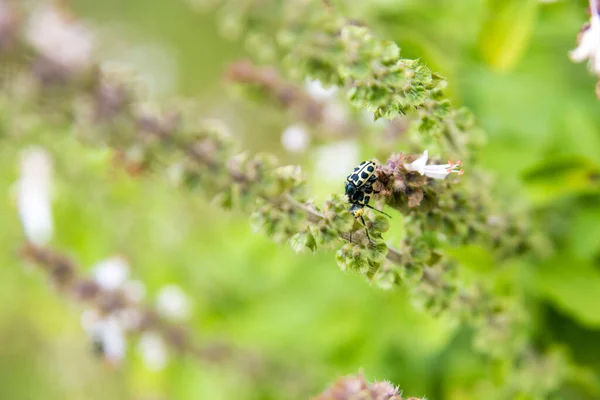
x=372 y=208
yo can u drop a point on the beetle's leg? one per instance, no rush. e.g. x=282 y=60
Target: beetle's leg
x=366 y=229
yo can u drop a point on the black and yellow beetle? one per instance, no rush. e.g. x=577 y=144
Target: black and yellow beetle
x=359 y=189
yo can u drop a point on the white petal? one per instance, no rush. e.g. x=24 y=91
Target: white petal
x=418 y=164
x=595 y=62
x=589 y=45
x=111 y=273
x=580 y=53
x=172 y=302
x=295 y=138
x=585 y=48
x=436 y=171
x=113 y=339
x=153 y=350
x=34 y=195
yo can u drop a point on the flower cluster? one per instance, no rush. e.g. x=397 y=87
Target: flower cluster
x=108 y=322
x=114 y=302
x=115 y=316
x=357 y=387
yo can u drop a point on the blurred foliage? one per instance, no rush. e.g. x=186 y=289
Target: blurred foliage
x=507 y=62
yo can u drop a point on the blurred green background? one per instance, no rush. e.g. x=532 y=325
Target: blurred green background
x=505 y=60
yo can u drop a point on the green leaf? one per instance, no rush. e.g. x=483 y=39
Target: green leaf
x=474 y=257
x=561 y=177
x=380 y=224
x=573 y=286
x=506 y=32
x=302 y=241
x=585 y=232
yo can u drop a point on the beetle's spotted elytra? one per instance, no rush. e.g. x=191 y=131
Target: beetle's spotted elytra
x=362 y=175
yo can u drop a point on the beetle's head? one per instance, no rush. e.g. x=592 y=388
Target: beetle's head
x=350 y=190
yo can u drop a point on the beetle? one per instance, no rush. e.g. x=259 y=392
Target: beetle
x=359 y=189
x=362 y=175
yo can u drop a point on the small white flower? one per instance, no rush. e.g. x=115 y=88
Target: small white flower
x=295 y=138
x=316 y=90
x=111 y=335
x=153 y=351
x=589 y=42
x=34 y=195
x=111 y=273
x=107 y=333
x=60 y=39
x=433 y=171
x=173 y=303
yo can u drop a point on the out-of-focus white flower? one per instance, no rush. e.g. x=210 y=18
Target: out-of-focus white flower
x=107 y=333
x=295 y=138
x=589 y=42
x=34 y=195
x=316 y=90
x=59 y=38
x=110 y=334
x=111 y=273
x=334 y=161
x=153 y=351
x=172 y=302
x=433 y=171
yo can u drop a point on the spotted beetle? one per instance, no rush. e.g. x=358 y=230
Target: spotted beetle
x=362 y=175
x=359 y=189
